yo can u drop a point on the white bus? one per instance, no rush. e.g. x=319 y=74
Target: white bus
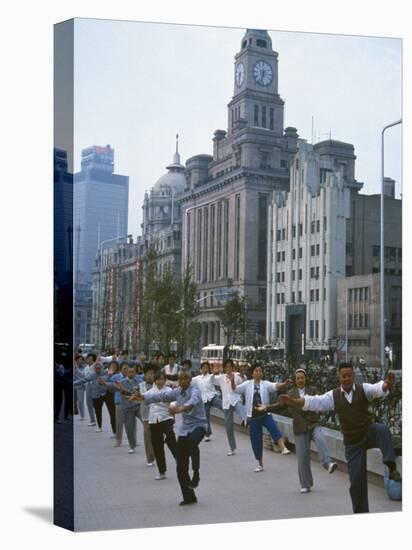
x=216 y=355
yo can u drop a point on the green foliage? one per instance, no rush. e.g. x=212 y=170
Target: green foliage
x=169 y=309
x=233 y=318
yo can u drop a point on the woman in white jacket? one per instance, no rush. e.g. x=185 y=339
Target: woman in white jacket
x=256 y=392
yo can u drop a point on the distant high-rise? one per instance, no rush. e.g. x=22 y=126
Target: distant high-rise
x=100 y=214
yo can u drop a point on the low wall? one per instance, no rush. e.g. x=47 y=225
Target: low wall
x=334 y=441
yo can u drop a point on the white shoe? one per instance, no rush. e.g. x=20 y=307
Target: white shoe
x=99 y=429
x=258 y=469
x=160 y=476
x=305 y=490
x=150 y=464
x=112 y=437
x=285 y=451
x=332 y=467
x=91 y=424
x=131 y=451
x=231 y=453
x=207 y=438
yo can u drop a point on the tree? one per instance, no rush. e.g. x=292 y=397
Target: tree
x=148 y=300
x=167 y=303
x=189 y=328
x=233 y=317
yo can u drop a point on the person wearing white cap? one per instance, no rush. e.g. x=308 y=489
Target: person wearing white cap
x=306 y=427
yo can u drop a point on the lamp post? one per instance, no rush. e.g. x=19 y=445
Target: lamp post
x=338 y=274
x=382 y=251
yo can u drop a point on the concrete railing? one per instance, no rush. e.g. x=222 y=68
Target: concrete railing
x=334 y=442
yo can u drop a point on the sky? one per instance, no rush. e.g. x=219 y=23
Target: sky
x=136 y=85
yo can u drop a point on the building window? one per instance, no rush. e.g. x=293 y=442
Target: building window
x=278 y=298
x=316 y=329
x=356 y=321
x=325 y=223
x=317 y=295
x=264 y=116
x=300 y=274
x=324 y=293
x=293 y=297
x=283 y=276
x=293 y=274
x=318 y=226
x=237 y=237
x=311 y=329
x=283 y=256
x=300 y=229
x=271 y=118
x=261 y=43
x=366 y=320
x=256 y=115
x=325 y=247
x=300 y=252
x=376 y=251
x=360 y=320
x=312 y=295
x=300 y=296
x=283 y=234
x=293 y=231
x=293 y=253
x=366 y=294
x=262 y=296
x=312 y=250
x=349 y=248
x=283 y=297
x=361 y=294
x=350 y=320
x=313 y=227
x=278 y=256
x=348 y=271
x=278 y=235
x=317 y=249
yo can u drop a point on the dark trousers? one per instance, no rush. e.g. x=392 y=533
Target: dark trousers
x=58 y=399
x=377 y=436
x=68 y=399
x=214 y=402
x=161 y=433
x=109 y=400
x=187 y=448
x=98 y=406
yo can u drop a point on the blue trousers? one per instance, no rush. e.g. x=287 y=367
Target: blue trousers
x=256 y=432
x=377 y=436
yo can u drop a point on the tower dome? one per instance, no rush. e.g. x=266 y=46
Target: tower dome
x=175 y=177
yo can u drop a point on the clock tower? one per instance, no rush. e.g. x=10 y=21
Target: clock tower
x=256 y=102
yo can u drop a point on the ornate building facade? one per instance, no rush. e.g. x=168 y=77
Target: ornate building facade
x=224 y=207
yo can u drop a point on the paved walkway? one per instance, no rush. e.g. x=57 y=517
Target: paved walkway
x=115 y=490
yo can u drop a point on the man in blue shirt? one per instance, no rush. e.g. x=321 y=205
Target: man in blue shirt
x=192 y=430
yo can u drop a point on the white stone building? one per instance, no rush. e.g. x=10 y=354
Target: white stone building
x=307 y=248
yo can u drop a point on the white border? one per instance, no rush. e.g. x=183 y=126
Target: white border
x=26 y=37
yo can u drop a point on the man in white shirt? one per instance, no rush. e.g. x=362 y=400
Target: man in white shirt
x=351 y=402
x=171 y=371
x=161 y=426
x=209 y=393
x=231 y=401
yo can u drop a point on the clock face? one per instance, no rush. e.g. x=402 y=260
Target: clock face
x=240 y=74
x=262 y=73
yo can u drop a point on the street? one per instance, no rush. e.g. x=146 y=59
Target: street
x=115 y=490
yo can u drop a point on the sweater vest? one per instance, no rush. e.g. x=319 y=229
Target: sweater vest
x=354 y=417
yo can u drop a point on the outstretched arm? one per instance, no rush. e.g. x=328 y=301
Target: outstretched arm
x=317 y=403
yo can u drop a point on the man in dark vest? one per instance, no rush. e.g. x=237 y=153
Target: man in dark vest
x=351 y=402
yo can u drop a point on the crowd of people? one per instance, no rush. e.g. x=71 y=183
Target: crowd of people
x=154 y=392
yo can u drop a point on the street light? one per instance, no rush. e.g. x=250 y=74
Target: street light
x=382 y=258
x=339 y=275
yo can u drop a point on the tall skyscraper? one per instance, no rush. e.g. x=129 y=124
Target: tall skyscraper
x=100 y=214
